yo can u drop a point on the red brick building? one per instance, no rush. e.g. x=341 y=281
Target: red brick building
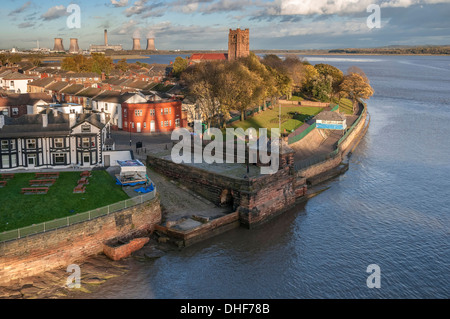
x=159 y=116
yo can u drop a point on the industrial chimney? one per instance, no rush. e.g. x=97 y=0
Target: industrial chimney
x=151 y=44
x=58 y=45
x=106 y=38
x=74 y=46
x=136 y=44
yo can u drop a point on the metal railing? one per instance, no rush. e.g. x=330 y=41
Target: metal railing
x=74 y=219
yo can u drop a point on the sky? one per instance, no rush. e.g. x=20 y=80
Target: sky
x=204 y=24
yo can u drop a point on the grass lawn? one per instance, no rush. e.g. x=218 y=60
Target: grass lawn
x=346 y=106
x=19 y=210
x=269 y=118
x=296 y=98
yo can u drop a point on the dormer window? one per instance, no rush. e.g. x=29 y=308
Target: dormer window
x=85 y=128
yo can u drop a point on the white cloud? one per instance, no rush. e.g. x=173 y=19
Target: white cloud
x=311 y=7
x=127 y=28
x=21 y=9
x=54 y=13
x=120 y=3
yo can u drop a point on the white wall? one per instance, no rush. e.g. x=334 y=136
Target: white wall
x=117 y=156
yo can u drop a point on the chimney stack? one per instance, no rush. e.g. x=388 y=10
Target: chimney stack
x=103 y=118
x=106 y=37
x=136 y=44
x=58 y=47
x=44 y=120
x=74 y=46
x=151 y=44
x=72 y=119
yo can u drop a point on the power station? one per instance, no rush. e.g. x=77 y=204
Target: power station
x=136 y=44
x=75 y=49
x=58 y=47
x=105 y=46
x=74 y=46
x=151 y=44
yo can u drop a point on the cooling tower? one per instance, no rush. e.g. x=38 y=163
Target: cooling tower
x=74 y=46
x=106 y=38
x=58 y=45
x=151 y=44
x=136 y=44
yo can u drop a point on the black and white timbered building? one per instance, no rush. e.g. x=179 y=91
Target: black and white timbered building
x=52 y=139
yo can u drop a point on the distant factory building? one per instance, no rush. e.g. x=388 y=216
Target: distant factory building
x=106 y=46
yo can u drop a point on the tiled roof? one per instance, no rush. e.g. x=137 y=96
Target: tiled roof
x=113 y=97
x=18 y=76
x=42 y=82
x=330 y=116
x=23 y=99
x=73 y=89
x=31 y=124
x=57 y=86
x=89 y=92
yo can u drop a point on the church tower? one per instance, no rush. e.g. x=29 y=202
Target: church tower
x=238 y=44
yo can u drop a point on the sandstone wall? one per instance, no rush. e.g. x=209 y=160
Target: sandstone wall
x=61 y=247
x=256 y=199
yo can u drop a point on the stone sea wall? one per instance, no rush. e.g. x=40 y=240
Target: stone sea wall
x=64 y=246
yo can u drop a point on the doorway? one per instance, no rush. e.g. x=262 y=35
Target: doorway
x=31 y=160
x=86 y=159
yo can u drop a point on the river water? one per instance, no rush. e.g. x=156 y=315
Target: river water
x=391 y=208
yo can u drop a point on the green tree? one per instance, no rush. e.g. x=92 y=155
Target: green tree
x=122 y=65
x=3 y=59
x=337 y=76
x=356 y=87
x=101 y=63
x=179 y=65
x=201 y=83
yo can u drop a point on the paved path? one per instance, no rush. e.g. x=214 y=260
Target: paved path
x=178 y=202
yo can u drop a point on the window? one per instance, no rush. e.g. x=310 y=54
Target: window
x=5 y=145
x=125 y=113
x=166 y=111
x=177 y=123
x=86 y=128
x=162 y=111
x=106 y=106
x=5 y=112
x=162 y=123
x=138 y=112
x=11 y=83
x=85 y=142
x=152 y=112
x=170 y=110
x=170 y=122
x=5 y=161
x=145 y=125
x=126 y=124
x=59 y=158
x=31 y=143
x=15 y=111
x=166 y=123
x=132 y=124
x=59 y=142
